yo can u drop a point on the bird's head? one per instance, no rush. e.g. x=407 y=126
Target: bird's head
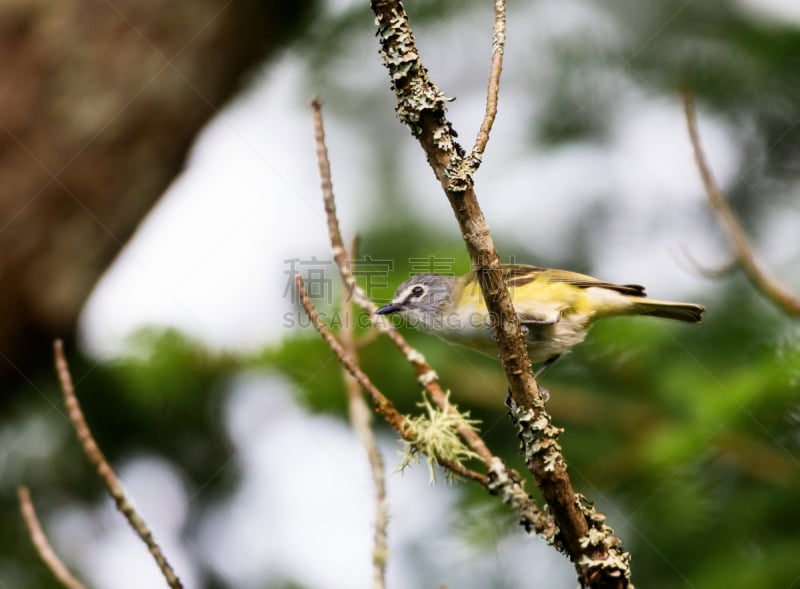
x=421 y=299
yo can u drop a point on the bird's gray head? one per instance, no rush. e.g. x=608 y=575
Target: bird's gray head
x=421 y=299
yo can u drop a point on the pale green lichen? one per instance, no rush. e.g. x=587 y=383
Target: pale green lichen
x=537 y=434
x=434 y=435
x=417 y=96
x=511 y=489
x=601 y=535
x=539 y=439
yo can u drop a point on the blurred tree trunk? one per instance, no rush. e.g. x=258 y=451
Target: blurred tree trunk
x=99 y=102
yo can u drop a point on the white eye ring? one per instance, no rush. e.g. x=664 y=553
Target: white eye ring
x=417 y=291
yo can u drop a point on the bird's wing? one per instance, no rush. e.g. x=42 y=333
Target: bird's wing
x=516 y=275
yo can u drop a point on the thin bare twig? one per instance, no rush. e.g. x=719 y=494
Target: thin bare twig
x=503 y=481
x=42 y=545
x=769 y=286
x=382 y=404
x=493 y=86
x=361 y=417
x=708 y=271
x=595 y=551
x=104 y=470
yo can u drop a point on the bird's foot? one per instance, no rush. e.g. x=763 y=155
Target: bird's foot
x=542 y=391
x=545 y=394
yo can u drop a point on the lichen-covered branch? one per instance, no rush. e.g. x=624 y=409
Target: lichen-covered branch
x=104 y=470
x=421 y=107
x=41 y=543
x=598 y=558
x=769 y=286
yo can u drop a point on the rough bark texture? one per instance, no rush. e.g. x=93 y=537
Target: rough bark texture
x=99 y=102
x=599 y=560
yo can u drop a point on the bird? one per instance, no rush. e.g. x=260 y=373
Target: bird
x=555 y=308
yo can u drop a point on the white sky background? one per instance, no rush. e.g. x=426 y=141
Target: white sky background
x=210 y=258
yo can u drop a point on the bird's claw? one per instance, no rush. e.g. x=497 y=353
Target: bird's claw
x=545 y=394
x=542 y=391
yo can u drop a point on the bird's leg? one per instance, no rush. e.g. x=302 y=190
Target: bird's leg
x=542 y=391
x=547 y=364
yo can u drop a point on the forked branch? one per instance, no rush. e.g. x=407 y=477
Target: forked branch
x=769 y=286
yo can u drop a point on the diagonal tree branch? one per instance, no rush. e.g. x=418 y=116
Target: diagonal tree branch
x=598 y=557
x=503 y=481
x=104 y=470
x=41 y=543
x=769 y=286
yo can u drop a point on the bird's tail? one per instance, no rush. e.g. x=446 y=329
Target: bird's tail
x=687 y=312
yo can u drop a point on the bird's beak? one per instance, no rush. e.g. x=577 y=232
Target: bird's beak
x=387 y=309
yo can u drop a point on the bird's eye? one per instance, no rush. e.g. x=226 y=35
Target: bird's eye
x=417 y=291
